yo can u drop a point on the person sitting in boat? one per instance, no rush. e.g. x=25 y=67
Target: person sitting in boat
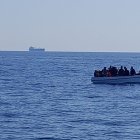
x=121 y=71
x=126 y=72
x=109 y=71
x=96 y=74
x=114 y=71
x=104 y=71
x=132 y=71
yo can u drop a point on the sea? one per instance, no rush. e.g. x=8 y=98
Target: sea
x=50 y=96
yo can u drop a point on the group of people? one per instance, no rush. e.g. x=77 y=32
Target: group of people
x=114 y=71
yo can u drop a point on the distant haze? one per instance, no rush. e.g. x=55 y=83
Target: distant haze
x=70 y=25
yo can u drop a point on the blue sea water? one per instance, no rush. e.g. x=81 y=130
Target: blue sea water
x=49 y=96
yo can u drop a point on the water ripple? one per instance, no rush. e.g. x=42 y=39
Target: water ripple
x=50 y=97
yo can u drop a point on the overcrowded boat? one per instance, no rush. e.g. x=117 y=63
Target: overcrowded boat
x=112 y=75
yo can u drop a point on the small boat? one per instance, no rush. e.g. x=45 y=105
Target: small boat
x=33 y=49
x=116 y=80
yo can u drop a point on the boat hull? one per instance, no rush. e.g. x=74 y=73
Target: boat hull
x=116 y=80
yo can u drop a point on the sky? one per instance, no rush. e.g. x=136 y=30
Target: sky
x=70 y=25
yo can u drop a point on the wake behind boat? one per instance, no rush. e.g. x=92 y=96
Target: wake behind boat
x=113 y=75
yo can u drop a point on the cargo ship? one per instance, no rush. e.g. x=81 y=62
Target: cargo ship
x=33 y=49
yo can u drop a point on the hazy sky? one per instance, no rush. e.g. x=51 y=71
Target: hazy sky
x=70 y=25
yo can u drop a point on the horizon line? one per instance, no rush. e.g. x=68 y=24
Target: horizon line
x=75 y=51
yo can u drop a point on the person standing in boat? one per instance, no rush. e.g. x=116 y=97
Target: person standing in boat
x=132 y=71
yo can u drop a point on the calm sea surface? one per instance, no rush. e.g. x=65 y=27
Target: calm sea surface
x=49 y=96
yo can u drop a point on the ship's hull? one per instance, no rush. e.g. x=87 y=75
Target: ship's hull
x=116 y=80
x=32 y=49
x=37 y=50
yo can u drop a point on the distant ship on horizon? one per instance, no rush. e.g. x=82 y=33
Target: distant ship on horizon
x=33 y=49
